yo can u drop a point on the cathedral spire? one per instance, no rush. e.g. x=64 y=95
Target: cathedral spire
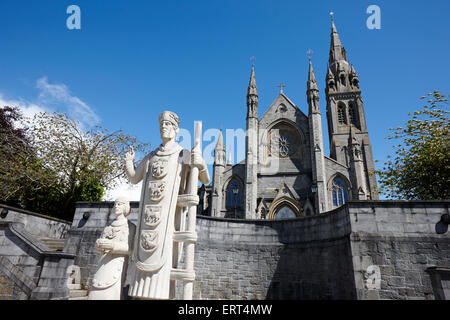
x=337 y=51
x=220 y=145
x=312 y=83
x=312 y=92
x=230 y=160
x=252 y=96
x=219 y=151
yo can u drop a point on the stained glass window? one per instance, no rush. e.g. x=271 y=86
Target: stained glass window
x=340 y=194
x=233 y=195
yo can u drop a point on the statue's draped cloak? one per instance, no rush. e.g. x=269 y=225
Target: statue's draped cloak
x=153 y=245
x=107 y=284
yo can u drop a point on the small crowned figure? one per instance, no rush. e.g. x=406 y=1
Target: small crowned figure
x=113 y=246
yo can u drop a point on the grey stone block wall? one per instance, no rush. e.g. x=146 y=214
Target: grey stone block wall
x=246 y=259
x=399 y=237
x=19 y=265
x=37 y=224
x=52 y=284
x=28 y=269
x=306 y=258
x=319 y=257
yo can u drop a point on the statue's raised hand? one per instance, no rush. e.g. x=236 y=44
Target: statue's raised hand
x=129 y=156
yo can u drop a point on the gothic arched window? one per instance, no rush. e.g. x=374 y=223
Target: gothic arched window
x=352 y=113
x=285 y=213
x=234 y=193
x=341 y=114
x=339 y=191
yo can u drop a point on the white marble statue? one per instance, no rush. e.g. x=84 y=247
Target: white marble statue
x=166 y=173
x=113 y=246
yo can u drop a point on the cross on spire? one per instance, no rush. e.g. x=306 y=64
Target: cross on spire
x=331 y=15
x=281 y=86
x=309 y=52
x=253 y=60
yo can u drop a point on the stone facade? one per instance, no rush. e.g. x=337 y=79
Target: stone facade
x=284 y=149
x=326 y=256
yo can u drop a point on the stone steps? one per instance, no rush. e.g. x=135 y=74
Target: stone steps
x=52 y=244
x=78 y=295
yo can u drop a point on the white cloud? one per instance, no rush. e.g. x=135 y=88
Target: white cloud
x=54 y=97
x=60 y=95
x=28 y=109
x=128 y=190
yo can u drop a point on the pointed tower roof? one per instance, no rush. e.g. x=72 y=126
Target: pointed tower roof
x=252 y=89
x=220 y=145
x=337 y=51
x=230 y=160
x=312 y=83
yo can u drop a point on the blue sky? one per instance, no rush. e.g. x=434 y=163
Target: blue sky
x=133 y=59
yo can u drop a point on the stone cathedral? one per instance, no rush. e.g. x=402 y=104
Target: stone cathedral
x=285 y=173
x=365 y=250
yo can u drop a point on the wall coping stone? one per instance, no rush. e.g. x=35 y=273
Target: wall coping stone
x=19 y=230
x=31 y=213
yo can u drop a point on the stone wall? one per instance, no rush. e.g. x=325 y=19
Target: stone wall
x=28 y=268
x=266 y=259
x=318 y=257
x=32 y=270
x=37 y=224
x=399 y=238
x=245 y=259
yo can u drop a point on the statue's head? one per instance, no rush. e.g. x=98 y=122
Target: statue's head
x=168 y=125
x=122 y=206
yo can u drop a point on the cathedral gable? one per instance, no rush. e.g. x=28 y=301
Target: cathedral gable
x=282 y=108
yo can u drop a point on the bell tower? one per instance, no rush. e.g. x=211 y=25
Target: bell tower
x=345 y=116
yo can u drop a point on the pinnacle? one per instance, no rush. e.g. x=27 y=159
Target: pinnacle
x=312 y=83
x=252 y=89
x=220 y=145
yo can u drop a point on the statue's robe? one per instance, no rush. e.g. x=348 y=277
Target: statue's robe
x=107 y=282
x=165 y=174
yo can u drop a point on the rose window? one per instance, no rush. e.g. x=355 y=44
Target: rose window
x=281 y=146
x=284 y=146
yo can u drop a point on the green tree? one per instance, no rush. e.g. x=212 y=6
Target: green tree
x=20 y=169
x=85 y=163
x=48 y=163
x=420 y=169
